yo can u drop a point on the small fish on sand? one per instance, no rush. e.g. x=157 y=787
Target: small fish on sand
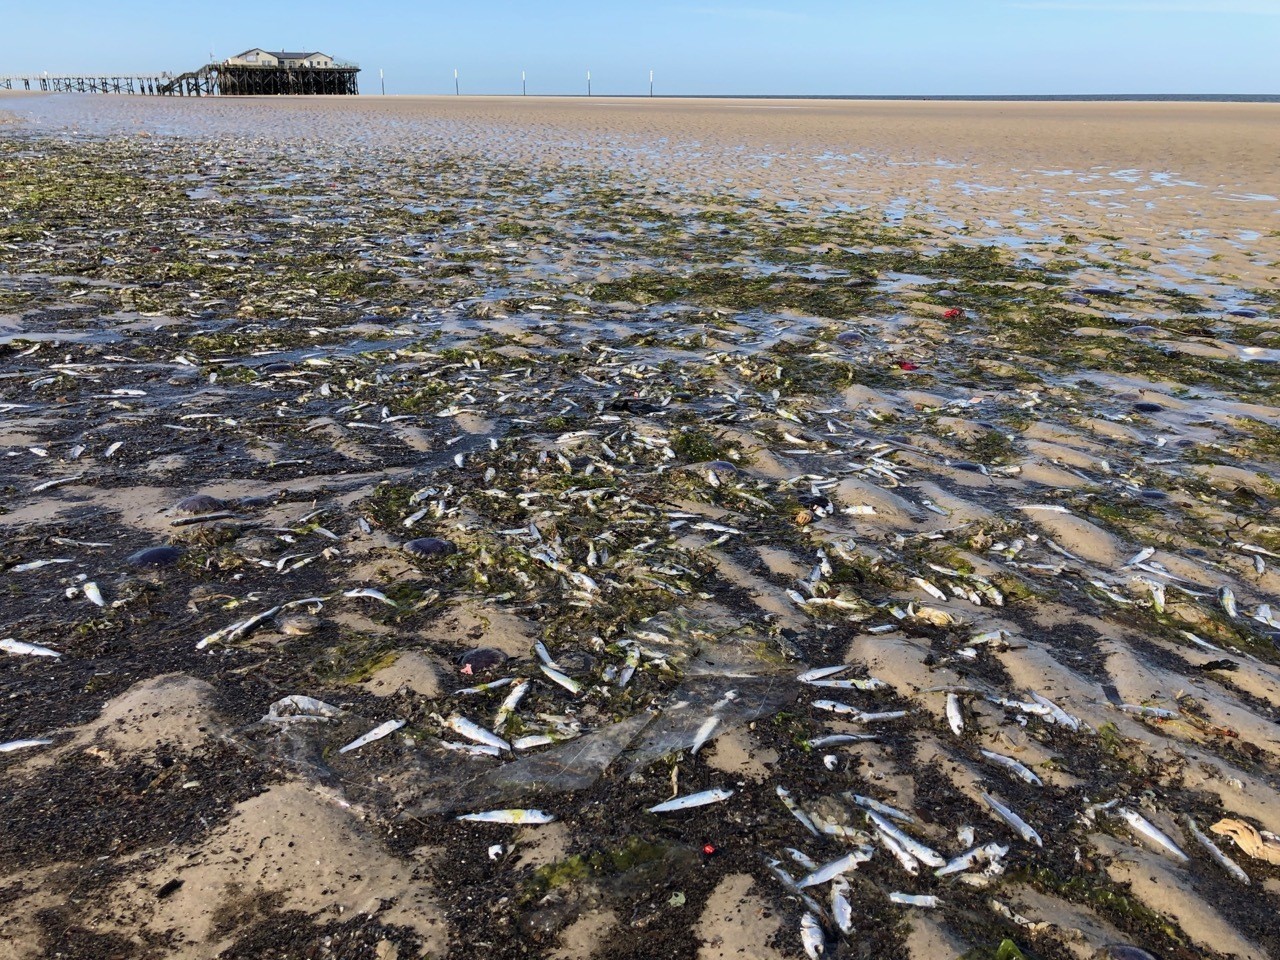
x=521 y=817
x=22 y=648
x=13 y=745
x=377 y=733
x=692 y=800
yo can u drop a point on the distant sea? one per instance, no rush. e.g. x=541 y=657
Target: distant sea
x=1065 y=97
x=1032 y=97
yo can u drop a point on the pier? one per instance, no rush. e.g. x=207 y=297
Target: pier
x=211 y=80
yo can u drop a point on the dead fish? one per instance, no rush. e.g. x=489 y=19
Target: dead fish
x=837 y=867
x=841 y=906
x=508 y=816
x=915 y=900
x=903 y=856
x=692 y=800
x=913 y=846
x=870 y=803
x=819 y=673
x=1227 y=597
x=929 y=588
x=13 y=745
x=1055 y=713
x=1013 y=766
x=955 y=717
x=857 y=683
x=471 y=749
x=35 y=565
x=802 y=858
x=509 y=704
x=857 y=716
x=1149 y=832
x=372 y=594
x=22 y=648
x=573 y=686
x=1021 y=826
x=298 y=707
x=812 y=937
x=971 y=858
x=1221 y=858
x=58 y=481
x=93 y=594
x=836 y=739
x=704 y=733
x=377 y=733
x=1143 y=555
x=805 y=820
x=238 y=630
x=484 y=687
x=473 y=731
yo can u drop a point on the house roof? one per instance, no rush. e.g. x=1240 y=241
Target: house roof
x=285 y=54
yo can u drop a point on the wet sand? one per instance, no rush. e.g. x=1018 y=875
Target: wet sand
x=976 y=400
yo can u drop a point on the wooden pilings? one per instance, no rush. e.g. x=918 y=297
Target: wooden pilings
x=215 y=79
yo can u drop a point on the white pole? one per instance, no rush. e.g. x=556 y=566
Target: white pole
x=651 y=83
x=383 y=80
x=588 y=83
x=524 y=89
x=456 y=91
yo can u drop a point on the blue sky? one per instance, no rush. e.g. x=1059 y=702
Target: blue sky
x=708 y=47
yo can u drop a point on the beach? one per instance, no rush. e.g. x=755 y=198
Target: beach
x=891 y=485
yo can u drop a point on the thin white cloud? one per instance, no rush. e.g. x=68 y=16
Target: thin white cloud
x=1262 y=8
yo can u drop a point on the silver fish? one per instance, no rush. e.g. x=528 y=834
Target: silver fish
x=21 y=647
x=473 y=731
x=692 y=800
x=913 y=846
x=508 y=816
x=901 y=854
x=1222 y=859
x=93 y=594
x=1013 y=766
x=1227 y=597
x=471 y=749
x=371 y=594
x=870 y=803
x=1023 y=828
x=377 y=733
x=484 y=687
x=509 y=704
x=13 y=745
x=35 y=565
x=802 y=858
x=857 y=683
x=238 y=630
x=805 y=820
x=955 y=717
x=297 y=707
x=820 y=673
x=1149 y=832
x=915 y=900
x=573 y=686
x=836 y=739
x=812 y=937
x=970 y=858
x=704 y=733
x=837 y=868
x=841 y=906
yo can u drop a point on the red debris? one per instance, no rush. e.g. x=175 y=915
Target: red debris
x=907 y=365
x=953 y=313
x=708 y=849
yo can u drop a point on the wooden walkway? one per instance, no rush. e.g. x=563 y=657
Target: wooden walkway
x=215 y=79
